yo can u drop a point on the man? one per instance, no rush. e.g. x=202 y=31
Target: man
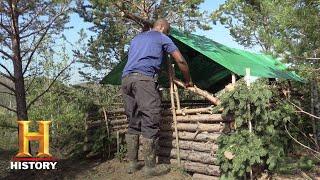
x=141 y=97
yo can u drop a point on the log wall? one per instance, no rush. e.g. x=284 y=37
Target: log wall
x=198 y=130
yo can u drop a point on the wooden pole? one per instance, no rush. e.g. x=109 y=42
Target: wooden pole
x=108 y=132
x=118 y=142
x=86 y=138
x=248 y=105
x=173 y=109
x=175 y=89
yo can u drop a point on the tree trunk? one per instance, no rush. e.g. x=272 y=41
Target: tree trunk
x=22 y=113
x=20 y=92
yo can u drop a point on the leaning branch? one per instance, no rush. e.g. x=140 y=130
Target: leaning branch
x=7 y=108
x=48 y=88
x=305 y=112
x=7 y=86
x=7 y=70
x=140 y=21
x=307 y=147
x=9 y=93
x=5 y=28
x=6 y=54
x=199 y=91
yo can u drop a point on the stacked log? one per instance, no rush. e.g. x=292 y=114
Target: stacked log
x=198 y=130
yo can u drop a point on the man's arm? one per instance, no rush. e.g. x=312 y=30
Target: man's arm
x=183 y=66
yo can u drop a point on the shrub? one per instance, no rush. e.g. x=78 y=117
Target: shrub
x=241 y=151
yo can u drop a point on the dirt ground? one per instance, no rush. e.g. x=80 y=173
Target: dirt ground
x=113 y=169
x=83 y=169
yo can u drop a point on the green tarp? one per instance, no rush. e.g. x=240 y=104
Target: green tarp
x=212 y=63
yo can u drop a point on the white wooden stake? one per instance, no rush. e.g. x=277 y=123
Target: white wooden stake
x=233 y=77
x=248 y=76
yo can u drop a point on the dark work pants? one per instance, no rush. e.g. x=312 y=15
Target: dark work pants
x=142 y=104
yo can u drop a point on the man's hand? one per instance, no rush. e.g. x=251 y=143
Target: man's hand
x=189 y=84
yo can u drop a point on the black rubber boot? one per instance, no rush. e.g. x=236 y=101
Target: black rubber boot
x=149 y=153
x=132 y=141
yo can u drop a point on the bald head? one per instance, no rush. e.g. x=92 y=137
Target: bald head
x=162 y=25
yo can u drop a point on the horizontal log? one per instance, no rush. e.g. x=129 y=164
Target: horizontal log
x=118 y=122
x=194 y=167
x=203 y=137
x=188 y=101
x=198 y=118
x=94 y=124
x=193 y=156
x=118 y=116
x=116 y=111
x=188 y=111
x=125 y=126
x=208 y=147
x=121 y=131
x=194 y=111
x=194 y=127
x=197 y=176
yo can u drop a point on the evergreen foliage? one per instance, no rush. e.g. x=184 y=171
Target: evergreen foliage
x=241 y=151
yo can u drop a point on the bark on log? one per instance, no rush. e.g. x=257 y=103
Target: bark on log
x=116 y=111
x=121 y=131
x=185 y=111
x=199 y=91
x=118 y=116
x=118 y=122
x=198 y=118
x=125 y=126
x=203 y=137
x=194 y=127
x=193 y=156
x=93 y=124
x=194 y=166
x=193 y=111
x=207 y=147
x=197 y=176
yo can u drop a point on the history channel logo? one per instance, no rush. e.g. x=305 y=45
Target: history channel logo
x=24 y=160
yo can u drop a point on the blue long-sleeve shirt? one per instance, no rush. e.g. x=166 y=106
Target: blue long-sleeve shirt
x=146 y=52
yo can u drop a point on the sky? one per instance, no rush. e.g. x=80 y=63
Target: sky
x=218 y=33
